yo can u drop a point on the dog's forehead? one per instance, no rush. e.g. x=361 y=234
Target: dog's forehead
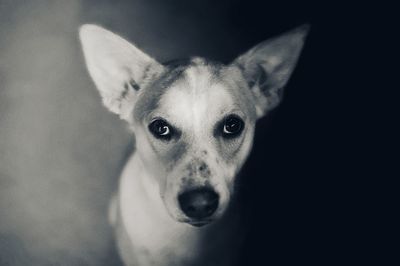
x=195 y=89
x=196 y=98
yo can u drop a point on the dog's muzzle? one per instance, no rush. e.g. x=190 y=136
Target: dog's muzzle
x=199 y=205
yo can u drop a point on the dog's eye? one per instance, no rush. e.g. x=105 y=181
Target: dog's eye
x=160 y=129
x=233 y=126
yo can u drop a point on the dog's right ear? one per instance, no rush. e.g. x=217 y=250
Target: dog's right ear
x=117 y=67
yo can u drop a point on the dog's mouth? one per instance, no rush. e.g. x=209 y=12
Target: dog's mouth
x=199 y=223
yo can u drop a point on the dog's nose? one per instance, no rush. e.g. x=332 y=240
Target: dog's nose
x=199 y=203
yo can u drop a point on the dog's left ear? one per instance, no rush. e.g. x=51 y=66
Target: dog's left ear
x=267 y=67
x=117 y=67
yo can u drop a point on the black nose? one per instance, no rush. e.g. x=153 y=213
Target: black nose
x=198 y=203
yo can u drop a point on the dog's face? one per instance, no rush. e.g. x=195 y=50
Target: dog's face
x=194 y=120
x=194 y=127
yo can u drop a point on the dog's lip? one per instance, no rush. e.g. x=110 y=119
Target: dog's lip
x=199 y=223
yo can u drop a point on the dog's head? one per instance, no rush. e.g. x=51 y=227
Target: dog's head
x=193 y=120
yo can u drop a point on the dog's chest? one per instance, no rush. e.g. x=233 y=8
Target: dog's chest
x=152 y=244
x=149 y=249
x=148 y=245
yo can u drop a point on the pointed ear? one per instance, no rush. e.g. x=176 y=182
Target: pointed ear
x=267 y=67
x=118 y=68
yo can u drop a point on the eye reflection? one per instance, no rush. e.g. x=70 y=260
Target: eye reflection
x=232 y=126
x=161 y=129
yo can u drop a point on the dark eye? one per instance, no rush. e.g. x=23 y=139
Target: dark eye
x=161 y=129
x=233 y=126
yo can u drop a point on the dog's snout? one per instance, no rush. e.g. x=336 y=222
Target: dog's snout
x=199 y=203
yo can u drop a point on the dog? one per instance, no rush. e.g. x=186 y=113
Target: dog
x=193 y=122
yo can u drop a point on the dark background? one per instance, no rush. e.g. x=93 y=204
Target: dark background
x=61 y=151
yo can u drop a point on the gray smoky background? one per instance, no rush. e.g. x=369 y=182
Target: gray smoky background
x=61 y=151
